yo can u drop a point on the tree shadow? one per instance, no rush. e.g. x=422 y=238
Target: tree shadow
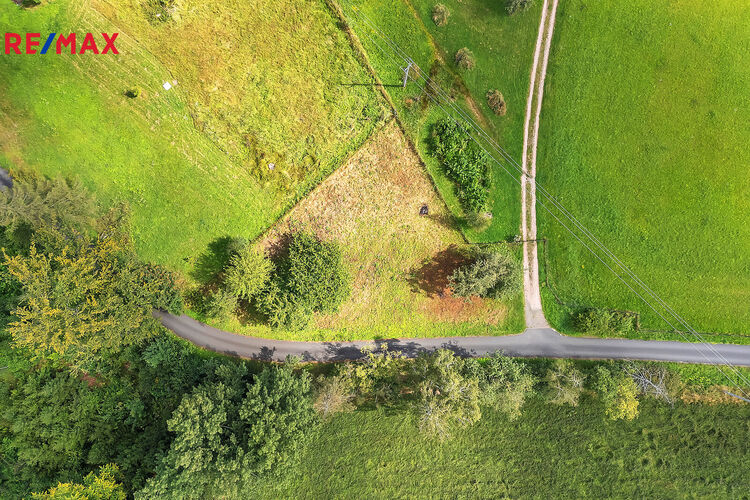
x=447 y=220
x=211 y=262
x=433 y=277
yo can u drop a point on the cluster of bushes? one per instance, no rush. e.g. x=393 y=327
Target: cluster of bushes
x=604 y=322
x=447 y=392
x=308 y=276
x=492 y=274
x=466 y=165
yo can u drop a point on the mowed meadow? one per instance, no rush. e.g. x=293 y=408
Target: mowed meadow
x=644 y=137
x=265 y=102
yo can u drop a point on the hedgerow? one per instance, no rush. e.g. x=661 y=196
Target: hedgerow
x=464 y=162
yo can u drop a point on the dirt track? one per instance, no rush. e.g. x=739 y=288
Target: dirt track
x=532 y=297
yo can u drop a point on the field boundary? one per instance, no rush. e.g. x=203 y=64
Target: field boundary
x=360 y=50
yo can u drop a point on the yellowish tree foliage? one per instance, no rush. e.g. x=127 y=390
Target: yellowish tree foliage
x=77 y=303
x=102 y=486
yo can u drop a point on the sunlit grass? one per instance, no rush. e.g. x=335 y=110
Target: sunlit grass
x=644 y=138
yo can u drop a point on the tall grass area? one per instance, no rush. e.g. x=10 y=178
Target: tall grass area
x=503 y=47
x=255 y=118
x=644 y=138
x=549 y=452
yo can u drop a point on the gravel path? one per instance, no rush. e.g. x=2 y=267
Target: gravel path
x=532 y=297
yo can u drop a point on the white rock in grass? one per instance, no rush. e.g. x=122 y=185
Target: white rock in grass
x=167 y=85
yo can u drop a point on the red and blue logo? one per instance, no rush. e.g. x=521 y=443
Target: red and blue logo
x=27 y=43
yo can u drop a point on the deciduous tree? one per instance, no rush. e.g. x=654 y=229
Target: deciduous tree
x=101 y=486
x=618 y=392
x=448 y=399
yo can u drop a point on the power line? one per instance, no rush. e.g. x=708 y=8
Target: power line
x=363 y=18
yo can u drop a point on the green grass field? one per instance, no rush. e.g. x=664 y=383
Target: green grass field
x=190 y=175
x=689 y=451
x=644 y=138
x=503 y=47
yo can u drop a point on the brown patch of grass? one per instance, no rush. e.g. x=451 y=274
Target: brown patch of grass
x=713 y=395
x=433 y=277
x=370 y=206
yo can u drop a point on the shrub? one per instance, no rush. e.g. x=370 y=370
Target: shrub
x=160 y=11
x=493 y=274
x=440 y=14
x=133 y=92
x=565 y=382
x=514 y=6
x=448 y=398
x=465 y=59
x=247 y=273
x=309 y=278
x=595 y=321
x=221 y=304
x=618 y=392
x=496 y=101
x=464 y=163
x=504 y=383
x=378 y=377
x=334 y=395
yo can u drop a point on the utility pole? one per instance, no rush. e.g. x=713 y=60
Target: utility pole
x=406 y=72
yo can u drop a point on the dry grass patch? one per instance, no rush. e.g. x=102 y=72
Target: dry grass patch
x=370 y=206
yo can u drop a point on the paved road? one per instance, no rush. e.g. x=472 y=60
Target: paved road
x=538 y=342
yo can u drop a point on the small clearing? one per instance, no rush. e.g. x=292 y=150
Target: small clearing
x=399 y=261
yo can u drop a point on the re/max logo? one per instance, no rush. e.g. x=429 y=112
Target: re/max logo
x=14 y=43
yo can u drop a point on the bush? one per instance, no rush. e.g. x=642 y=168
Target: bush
x=465 y=59
x=604 y=322
x=565 y=382
x=334 y=395
x=133 y=93
x=309 y=278
x=464 y=164
x=618 y=392
x=504 y=383
x=496 y=101
x=247 y=273
x=440 y=14
x=493 y=274
x=514 y=6
x=221 y=304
